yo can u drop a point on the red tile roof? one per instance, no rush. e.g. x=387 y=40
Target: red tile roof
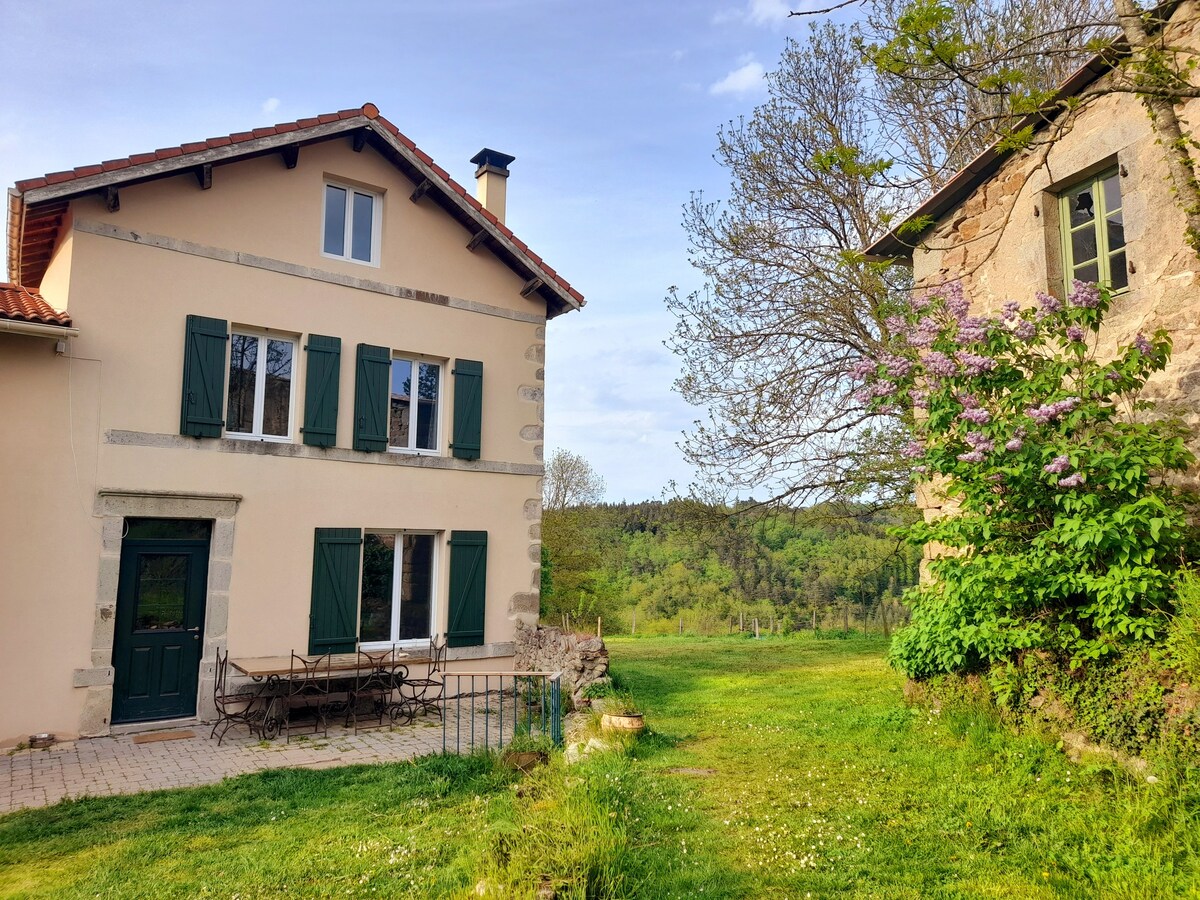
x=25 y=305
x=368 y=110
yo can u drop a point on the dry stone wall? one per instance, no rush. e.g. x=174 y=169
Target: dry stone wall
x=583 y=660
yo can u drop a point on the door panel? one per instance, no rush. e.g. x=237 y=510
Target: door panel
x=159 y=627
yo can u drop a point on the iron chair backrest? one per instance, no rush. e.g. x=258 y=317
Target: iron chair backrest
x=222 y=675
x=437 y=654
x=309 y=676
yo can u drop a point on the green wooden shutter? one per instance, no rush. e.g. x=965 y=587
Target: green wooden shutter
x=468 y=408
x=373 y=371
x=333 y=619
x=468 y=581
x=323 y=365
x=201 y=413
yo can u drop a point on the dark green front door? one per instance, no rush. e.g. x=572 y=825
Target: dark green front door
x=160 y=620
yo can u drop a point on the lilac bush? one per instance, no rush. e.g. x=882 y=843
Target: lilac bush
x=1067 y=531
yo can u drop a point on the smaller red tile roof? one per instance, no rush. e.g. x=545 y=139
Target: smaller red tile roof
x=23 y=305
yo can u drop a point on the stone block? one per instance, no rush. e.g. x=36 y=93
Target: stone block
x=97 y=675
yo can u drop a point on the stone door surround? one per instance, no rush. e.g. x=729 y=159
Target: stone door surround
x=112 y=506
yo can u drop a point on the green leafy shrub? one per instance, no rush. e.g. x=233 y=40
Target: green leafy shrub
x=1065 y=532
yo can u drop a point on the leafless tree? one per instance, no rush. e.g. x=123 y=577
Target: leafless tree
x=570 y=480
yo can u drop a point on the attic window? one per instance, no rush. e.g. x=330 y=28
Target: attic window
x=351 y=224
x=1093 y=232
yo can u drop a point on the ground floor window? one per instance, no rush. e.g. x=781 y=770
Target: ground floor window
x=396 y=601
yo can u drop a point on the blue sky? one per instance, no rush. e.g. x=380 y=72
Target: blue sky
x=611 y=109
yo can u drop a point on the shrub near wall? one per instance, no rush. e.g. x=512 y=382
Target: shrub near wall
x=1067 y=531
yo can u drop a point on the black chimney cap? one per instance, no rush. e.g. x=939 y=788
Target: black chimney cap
x=488 y=157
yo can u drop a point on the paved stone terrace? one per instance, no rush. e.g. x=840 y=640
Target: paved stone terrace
x=96 y=767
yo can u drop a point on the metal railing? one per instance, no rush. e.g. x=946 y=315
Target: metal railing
x=486 y=710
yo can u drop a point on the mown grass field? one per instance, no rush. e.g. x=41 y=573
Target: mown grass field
x=787 y=767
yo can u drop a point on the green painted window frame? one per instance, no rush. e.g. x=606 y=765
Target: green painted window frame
x=1099 y=224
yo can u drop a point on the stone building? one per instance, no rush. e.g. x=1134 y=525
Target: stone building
x=1090 y=199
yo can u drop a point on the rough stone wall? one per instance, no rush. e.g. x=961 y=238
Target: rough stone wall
x=583 y=660
x=1003 y=241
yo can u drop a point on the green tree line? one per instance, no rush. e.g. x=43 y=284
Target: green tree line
x=648 y=565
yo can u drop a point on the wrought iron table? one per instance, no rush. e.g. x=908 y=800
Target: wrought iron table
x=274 y=675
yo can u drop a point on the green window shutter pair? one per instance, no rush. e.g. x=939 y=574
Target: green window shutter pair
x=373 y=369
x=468 y=583
x=333 y=619
x=204 y=364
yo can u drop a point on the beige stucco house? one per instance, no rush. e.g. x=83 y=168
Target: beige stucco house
x=275 y=391
x=1090 y=199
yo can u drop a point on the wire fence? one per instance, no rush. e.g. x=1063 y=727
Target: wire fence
x=489 y=710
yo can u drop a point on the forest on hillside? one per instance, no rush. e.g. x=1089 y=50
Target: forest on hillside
x=659 y=566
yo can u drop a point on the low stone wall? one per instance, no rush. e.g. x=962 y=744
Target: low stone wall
x=583 y=660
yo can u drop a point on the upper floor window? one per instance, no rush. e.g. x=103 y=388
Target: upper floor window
x=351 y=224
x=413 y=405
x=1093 y=230
x=260 y=386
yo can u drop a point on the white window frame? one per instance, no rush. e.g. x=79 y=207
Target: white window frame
x=397 y=571
x=348 y=213
x=415 y=360
x=260 y=386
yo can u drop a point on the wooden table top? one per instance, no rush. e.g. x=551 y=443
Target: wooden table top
x=265 y=666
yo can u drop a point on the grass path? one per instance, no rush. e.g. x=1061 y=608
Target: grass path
x=783 y=768
x=826 y=785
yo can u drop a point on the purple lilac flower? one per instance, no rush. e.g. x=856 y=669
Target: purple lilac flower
x=897 y=366
x=1074 y=333
x=1051 y=411
x=1057 y=466
x=913 y=449
x=996 y=477
x=1142 y=345
x=937 y=363
x=863 y=368
x=1014 y=445
x=973 y=364
x=971 y=330
x=1084 y=294
x=1012 y=309
x=977 y=440
x=976 y=416
x=920 y=399
x=1025 y=330
x=919 y=301
x=895 y=324
x=924 y=333
x=975 y=456
x=882 y=388
x=921 y=469
x=1049 y=303
x=1112 y=376
x=956 y=304
x=1075 y=479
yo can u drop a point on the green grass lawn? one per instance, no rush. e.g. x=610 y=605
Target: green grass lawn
x=787 y=767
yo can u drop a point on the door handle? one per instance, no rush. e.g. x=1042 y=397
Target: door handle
x=194 y=630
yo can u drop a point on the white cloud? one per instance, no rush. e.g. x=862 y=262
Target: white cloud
x=742 y=81
x=772 y=13
x=270 y=105
x=677 y=55
x=768 y=12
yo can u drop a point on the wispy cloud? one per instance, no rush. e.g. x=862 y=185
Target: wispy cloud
x=743 y=81
x=768 y=12
x=270 y=105
x=771 y=13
